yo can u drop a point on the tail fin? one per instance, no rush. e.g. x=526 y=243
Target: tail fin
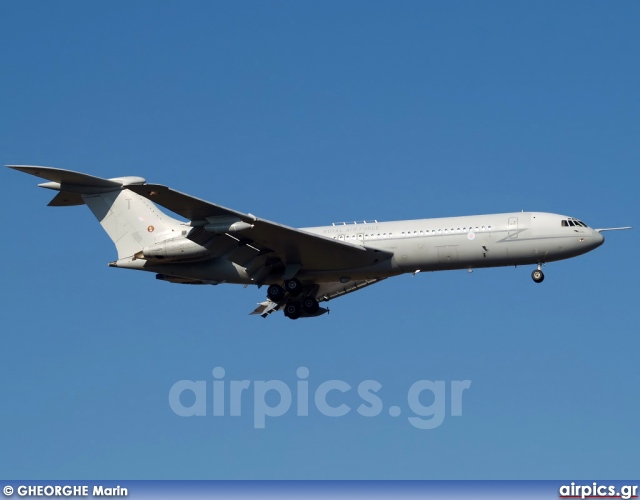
x=131 y=221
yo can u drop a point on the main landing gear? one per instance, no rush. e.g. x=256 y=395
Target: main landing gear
x=293 y=308
x=276 y=293
x=538 y=275
x=293 y=286
x=310 y=305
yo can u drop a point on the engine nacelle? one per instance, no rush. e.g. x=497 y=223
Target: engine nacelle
x=179 y=248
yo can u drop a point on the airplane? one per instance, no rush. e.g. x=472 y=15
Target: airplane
x=303 y=268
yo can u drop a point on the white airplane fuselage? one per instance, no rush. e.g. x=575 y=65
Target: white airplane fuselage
x=469 y=242
x=422 y=245
x=302 y=268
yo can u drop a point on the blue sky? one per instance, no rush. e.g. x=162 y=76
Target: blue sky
x=307 y=113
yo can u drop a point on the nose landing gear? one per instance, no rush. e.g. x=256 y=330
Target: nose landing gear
x=538 y=275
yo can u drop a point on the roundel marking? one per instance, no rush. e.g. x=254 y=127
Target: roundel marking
x=150 y=229
x=471 y=236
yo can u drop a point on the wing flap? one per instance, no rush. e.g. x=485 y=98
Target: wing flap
x=265 y=308
x=323 y=293
x=243 y=254
x=328 y=291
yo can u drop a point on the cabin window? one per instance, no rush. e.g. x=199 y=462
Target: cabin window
x=565 y=223
x=571 y=223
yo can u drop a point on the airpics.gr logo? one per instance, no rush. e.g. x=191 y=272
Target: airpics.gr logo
x=595 y=490
x=426 y=399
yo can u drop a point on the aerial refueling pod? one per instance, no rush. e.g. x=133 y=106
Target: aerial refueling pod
x=227 y=227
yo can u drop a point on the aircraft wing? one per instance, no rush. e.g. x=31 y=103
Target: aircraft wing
x=294 y=248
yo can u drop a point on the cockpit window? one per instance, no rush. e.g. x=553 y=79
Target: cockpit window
x=573 y=223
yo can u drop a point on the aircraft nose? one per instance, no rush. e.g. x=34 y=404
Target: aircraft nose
x=598 y=238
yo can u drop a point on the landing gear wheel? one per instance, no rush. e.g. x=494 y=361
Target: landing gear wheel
x=294 y=287
x=292 y=310
x=310 y=305
x=537 y=276
x=275 y=293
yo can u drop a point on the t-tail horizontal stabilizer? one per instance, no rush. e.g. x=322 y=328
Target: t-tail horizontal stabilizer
x=131 y=221
x=72 y=185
